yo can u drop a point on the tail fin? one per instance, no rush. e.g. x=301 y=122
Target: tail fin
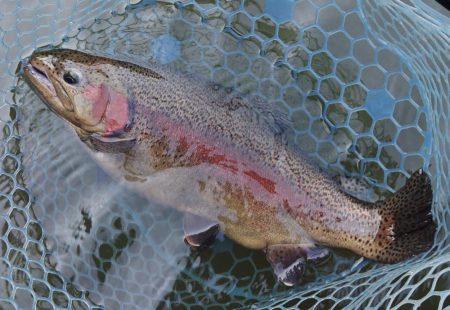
x=407 y=226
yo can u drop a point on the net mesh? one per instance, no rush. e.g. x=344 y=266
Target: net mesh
x=365 y=85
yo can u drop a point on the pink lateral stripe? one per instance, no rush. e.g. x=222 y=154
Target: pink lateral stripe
x=235 y=166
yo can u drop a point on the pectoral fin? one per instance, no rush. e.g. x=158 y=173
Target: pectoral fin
x=106 y=144
x=199 y=232
x=288 y=262
x=110 y=144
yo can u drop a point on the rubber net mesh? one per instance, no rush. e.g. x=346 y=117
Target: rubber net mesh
x=366 y=85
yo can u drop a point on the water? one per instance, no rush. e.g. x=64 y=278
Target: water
x=100 y=243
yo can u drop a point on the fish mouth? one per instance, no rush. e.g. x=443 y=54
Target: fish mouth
x=39 y=81
x=38 y=78
x=42 y=83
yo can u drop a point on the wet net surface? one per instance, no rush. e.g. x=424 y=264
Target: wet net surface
x=365 y=85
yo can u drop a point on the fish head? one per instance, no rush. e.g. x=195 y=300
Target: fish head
x=86 y=90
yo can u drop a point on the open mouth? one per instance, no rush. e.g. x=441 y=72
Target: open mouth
x=39 y=72
x=37 y=76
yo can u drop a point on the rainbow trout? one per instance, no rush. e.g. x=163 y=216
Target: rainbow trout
x=223 y=160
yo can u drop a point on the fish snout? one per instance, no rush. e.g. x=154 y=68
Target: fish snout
x=42 y=64
x=40 y=73
x=36 y=74
x=47 y=68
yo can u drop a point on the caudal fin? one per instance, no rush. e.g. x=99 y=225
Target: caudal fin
x=407 y=226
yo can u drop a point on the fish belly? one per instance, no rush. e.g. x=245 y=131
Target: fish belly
x=245 y=219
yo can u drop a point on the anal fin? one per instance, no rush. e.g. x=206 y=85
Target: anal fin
x=357 y=188
x=199 y=232
x=288 y=262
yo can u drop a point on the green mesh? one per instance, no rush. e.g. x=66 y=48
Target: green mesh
x=365 y=84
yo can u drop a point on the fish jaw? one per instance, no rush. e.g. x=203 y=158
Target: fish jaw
x=40 y=83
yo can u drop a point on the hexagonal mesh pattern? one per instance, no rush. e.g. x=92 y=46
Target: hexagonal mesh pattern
x=365 y=85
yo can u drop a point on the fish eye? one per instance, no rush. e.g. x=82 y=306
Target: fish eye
x=71 y=77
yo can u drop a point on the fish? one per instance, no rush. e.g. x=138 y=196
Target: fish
x=225 y=161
